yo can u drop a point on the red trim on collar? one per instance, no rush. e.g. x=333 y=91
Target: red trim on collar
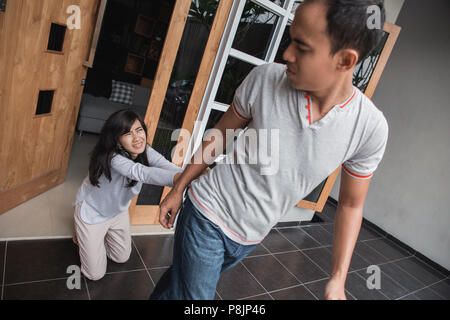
x=348 y=101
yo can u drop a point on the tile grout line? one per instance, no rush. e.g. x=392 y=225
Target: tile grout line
x=429 y=287
x=361 y=277
x=384 y=273
x=266 y=291
x=34 y=281
x=402 y=250
x=376 y=238
x=291 y=287
x=306 y=254
x=305 y=226
x=318 y=240
x=4 y=270
x=420 y=281
x=157 y=268
x=427 y=264
x=364 y=259
x=396 y=245
x=367 y=261
x=407 y=257
x=65 y=278
x=325 y=247
x=124 y=271
x=301 y=282
x=268 y=254
x=353 y=254
x=257 y=295
x=142 y=260
x=426 y=287
x=306 y=233
x=394 y=260
x=400 y=259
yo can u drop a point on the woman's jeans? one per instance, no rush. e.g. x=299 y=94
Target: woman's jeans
x=201 y=252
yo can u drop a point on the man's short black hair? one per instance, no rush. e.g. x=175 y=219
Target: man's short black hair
x=348 y=27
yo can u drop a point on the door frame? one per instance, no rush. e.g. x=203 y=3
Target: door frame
x=149 y=214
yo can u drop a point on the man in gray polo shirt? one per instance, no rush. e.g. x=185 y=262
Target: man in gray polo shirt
x=321 y=122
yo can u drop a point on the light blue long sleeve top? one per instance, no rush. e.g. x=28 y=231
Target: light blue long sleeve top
x=99 y=204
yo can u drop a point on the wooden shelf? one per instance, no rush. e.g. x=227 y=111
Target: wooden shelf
x=144 y=26
x=146 y=82
x=135 y=64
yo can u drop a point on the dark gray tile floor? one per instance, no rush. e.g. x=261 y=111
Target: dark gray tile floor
x=291 y=263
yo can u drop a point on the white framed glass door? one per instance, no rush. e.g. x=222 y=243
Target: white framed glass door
x=256 y=33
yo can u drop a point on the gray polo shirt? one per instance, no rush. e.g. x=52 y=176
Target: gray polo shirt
x=247 y=199
x=100 y=204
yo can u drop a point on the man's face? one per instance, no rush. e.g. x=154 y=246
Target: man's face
x=310 y=67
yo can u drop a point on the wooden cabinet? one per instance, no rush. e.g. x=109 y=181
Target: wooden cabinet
x=146 y=44
x=144 y=26
x=135 y=64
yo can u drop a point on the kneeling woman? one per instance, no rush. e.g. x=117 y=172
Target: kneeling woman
x=120 y=162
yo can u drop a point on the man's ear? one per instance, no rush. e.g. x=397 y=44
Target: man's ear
x=347 y=59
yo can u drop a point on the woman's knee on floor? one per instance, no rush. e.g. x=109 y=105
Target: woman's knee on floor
x=120 y=257
x=93 y=275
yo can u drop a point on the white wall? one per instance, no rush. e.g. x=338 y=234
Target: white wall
x=408 y=195
x=393 y=8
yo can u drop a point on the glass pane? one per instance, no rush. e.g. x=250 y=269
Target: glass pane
x=296 y=4
x=45 y=101
x=279 y=3
x=184 y=73
x=233 y=75
x=214 y=117
x=255 y=30
x=56 y=38
x=285 y=41
x=315 y=194
x=363 y=71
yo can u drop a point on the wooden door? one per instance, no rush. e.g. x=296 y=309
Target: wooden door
x=149 y=214
x=41 y=69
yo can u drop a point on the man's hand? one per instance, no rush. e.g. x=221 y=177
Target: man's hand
x=171 y=204
x=335 y=290
x=168 y=209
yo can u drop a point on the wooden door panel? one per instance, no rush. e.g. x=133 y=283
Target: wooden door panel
x=35 y=149
x=149 y=214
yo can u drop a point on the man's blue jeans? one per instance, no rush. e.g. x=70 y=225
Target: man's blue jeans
x=201 y=252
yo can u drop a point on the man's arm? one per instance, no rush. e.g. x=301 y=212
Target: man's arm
x=347 y=225
x=170 y=205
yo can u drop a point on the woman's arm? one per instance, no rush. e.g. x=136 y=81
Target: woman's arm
x=142 y=173
x=155 y=159
x=170 y=205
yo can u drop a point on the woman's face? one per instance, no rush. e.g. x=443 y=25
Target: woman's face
x=135 y=141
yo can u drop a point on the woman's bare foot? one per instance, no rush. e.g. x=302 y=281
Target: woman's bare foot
x=74 y=239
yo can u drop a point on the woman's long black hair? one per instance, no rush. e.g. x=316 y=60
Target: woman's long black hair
x=107 y=146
